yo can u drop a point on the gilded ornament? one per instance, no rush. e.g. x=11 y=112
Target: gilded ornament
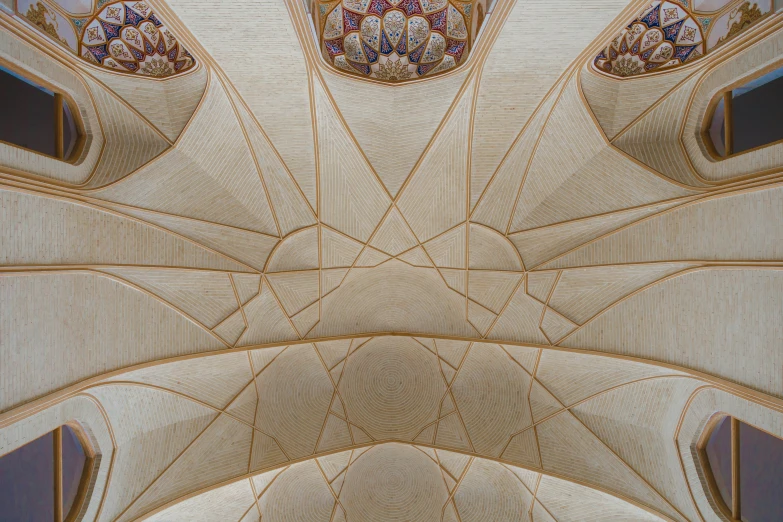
x=393 y=70
x=747 y=16
x=626 y=66
x=38 y=14
x=157 y=68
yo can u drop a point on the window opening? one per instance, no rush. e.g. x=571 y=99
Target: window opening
x=749 y=116
x=34 y=117
x=744 y=467
x=46 y=479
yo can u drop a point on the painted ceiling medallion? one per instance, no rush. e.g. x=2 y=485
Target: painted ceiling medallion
x=122 y=36
x=665 y=35
x=671 y=33
x=397 y=40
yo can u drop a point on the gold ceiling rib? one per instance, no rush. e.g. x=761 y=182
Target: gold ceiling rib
x=275 y=259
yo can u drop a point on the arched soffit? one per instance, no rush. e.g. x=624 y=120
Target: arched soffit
x=735 y=70
x=396 y=482
x=662 y=120
x=703 y=408
x=565 y=414
x=397 y=40
x=668 y=34
x=85 y=415
x=27 y=61
x=126 y=37
x=122 y=130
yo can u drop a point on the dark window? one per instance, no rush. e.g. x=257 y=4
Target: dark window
x=34 y=117
x=74 y=460
x=761 y=475
x=719 y=455
x=42 y=480
x=745 y=469
x=749 y=116
x=27 y=482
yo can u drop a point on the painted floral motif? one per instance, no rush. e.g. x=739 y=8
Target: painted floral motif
x=430 y=6
x=353 y=49
x=393 y=25
x=44 y=19
x=395 y=40
x=334 y=23
x=664 y=36
x=393 y=70
x=670 y=33
x=740 y=18
x=418 y=29
x=360 y=6
x=456 y=27
x=435 y=49
x=125 y=36
x=156 y=67
x=371 y=30
x=628 y=66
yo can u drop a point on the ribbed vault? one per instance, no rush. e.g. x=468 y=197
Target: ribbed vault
x=395 y=481
x=257 y=268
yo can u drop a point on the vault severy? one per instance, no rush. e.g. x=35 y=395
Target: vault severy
x=242 y=249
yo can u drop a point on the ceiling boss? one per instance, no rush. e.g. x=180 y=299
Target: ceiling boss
x=397 y=40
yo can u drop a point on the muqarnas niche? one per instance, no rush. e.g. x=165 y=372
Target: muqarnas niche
x=397 y=40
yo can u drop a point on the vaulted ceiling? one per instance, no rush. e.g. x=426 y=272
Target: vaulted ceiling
x=517 y=290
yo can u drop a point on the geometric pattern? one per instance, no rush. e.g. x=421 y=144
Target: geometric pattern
x=671 y=33
x=303 y=402
x=549 y=283
x=128 y=37
x=396 y=40
x=665 y=35
x=121 y=36
x=458 y=487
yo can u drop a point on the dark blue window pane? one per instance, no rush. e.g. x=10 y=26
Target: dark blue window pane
x=73 y=465
x=761 y=475
x=27 y=482
x=27 y=113
x=719 y=454
x=757 y=112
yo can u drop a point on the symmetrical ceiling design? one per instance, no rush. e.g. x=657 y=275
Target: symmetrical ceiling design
x=521 y=286
x=121 y=36
x=397 y=40
x=668 y=34
x=417 y=483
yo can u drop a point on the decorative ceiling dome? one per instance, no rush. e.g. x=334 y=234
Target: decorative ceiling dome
x=122 y=36
x=127 y=36
x=664 y=36
x=397 y=40
x=671 y=33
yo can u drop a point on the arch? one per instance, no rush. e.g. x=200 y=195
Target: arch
x=496 y=402
x=411 y=482
x=739 y=462
x=704 y=409
x=45 y=110
x=79 y=420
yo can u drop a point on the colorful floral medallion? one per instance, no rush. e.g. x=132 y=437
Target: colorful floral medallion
x=671 y=33
x=122 y=36
x=395 y=40
x=664 y=36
